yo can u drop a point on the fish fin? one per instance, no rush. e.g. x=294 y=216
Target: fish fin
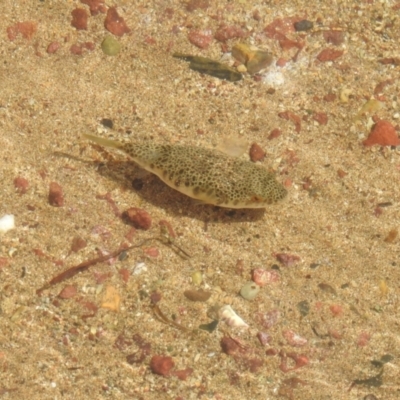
x=103 y=142
x=232 y=146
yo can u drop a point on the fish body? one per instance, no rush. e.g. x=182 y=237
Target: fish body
x=206 y=175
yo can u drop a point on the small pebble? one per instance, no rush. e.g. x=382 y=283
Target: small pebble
x=327 y=288
x=21 y=184
x=53 y=47
x=256 y=153
x=329 y=55
x=77 y=244
x=229 y=316
x=107 y=122
x=161 y=365
x=383 y=133
x=303 y=25
x=303 y=307
x=7 y=223
x=114 y=23
x=27 y=29
x=200 y=38
x=139 y=218
x=79 y=19
x=56 y=195
x=110 y=46
x=263 y=277
x=287 y=260
x=293 y=338
x=249 y=290
x=95 y=6
x=197 y=295
x=197 y=278
x=68 y=292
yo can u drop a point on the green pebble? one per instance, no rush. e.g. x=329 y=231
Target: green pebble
x=249 y=290
x=110 y=46
x=303 y=307
x=197 y=278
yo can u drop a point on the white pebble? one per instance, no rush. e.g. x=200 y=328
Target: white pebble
x=139 y=268
x=6 y=223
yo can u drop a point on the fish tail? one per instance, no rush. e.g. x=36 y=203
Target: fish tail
x=104 y=142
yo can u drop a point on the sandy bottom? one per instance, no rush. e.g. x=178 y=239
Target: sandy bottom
x=332 y=313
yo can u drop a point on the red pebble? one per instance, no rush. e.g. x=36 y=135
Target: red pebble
x=228 y=32
x=289 y=116
x=76 y=50
x=21 y=184
x=139 y=218
x=293 y=338
x=3 y=262
x=56 y=195
x=274 y=133
x=336 y=310
x=27 y=29
x=321 y=118
x=229 y=346
x=77 y=244
x=151 y=252
x=383 y=134
x=280 y=27
x=363 y=339
x=114 y=23
x=300 y=361
x=79 y=19
x=95 y=6
x=183 y=374
x=53 y=47
x=68 y=292
x=263 y=277
x=125 y=274
x=161 y=365
x=256 y=153
x=329 y=55
x=330 y=97
x=281 y=62
x=287 y=259
x=201 y=39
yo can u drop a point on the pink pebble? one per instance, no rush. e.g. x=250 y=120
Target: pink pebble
x=263 y=277
x=138 y=217
x=293 y=338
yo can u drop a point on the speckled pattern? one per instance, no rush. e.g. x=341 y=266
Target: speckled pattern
x=206 y=175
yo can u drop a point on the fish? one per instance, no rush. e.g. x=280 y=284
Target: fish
x=209 y=176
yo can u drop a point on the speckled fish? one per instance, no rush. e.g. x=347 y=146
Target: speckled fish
x=206 y=175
